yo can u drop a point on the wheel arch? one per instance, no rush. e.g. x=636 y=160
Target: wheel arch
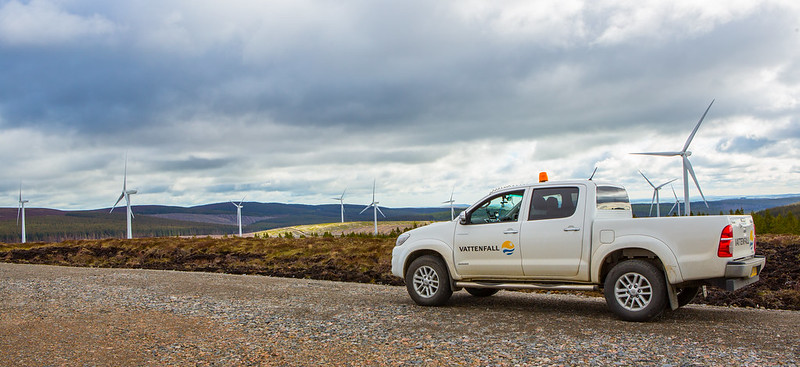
x=433 y=248
x=636 y=247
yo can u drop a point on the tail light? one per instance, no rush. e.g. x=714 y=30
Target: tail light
x=725 y=239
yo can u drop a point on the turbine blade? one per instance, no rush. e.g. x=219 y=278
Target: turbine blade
x=648 y=180
x=118 y=200
x=131 y=213
x=689 y=141
x=379 y=211
x=662 y=185
x=665 y=154
x=345 y=190
x=365 y=209
x=18 y=210
x=673 y=208
x=674 y=194
x=691 y=171
x=653 y=200
x=125 y=175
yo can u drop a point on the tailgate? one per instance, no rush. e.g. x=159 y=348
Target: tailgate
x=744 y=236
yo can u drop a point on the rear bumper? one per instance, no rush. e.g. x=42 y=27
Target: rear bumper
x=745 y=268
x=740 y=273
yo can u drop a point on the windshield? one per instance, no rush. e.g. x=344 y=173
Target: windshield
x=501 y=208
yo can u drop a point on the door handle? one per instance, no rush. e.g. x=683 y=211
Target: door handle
x=510 y=231
x=571 y=229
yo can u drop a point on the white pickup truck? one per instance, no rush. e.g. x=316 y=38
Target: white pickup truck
x=577 y=235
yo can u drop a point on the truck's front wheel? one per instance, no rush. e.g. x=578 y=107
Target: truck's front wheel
x=635 y=290
x=428 y=282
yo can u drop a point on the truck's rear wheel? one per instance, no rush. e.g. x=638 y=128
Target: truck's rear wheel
x=428 y=282
x=635 y=290
x=482 y=292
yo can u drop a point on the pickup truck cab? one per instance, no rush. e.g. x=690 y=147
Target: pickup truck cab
x=577 y=235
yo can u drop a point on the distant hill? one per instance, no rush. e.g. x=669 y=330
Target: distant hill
x=747 y=205
x=220 y=218
x=210 y=219
x=793 y=208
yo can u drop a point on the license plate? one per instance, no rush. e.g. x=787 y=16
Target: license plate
x=754 y=271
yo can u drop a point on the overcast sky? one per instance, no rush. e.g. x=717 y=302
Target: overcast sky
x=294 y=101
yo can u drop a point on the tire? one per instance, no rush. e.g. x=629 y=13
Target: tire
x=481 y=292
x=428 y=282
x=635 y=290
x=686 y=295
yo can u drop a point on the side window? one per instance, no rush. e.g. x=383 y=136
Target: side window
x=499 y=208
x=553 y=202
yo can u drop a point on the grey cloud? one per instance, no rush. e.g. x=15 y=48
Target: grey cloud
x=223 y=91
x=743 y=144
x=191 y=164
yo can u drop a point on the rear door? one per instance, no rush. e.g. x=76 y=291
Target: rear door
x=743 y=236
x=551 y=239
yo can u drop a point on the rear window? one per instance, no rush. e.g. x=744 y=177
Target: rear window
x=612 y=198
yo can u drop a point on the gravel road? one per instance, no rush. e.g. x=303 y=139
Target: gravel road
x=86 y=316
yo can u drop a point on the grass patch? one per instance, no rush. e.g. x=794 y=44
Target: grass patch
x=358 y=259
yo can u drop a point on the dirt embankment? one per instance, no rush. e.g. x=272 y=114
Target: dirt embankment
x=779 y=287
x=351 y=259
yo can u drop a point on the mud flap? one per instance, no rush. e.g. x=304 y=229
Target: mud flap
x=672 y=293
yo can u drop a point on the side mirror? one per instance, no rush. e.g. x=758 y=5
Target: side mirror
x=462 y=217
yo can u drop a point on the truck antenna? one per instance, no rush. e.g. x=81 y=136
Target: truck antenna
x=593 y=172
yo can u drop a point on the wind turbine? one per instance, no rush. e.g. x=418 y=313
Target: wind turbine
x=451 y=201
x=655 y=194
x=677 y=203
x=21 y=210
x=239 y=213
x=127 y=195
x=341 y=202
x=375 y=209
x=687 y=166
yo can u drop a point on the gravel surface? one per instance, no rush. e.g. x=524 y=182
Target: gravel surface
x=87 y=316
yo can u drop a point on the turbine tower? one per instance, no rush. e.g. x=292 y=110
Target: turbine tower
x=239 y=213
x=655 y=194
x=687 y=166
x=677 y=202
x=127 y=195
x=375 y=209
x=341 y=202
x=21 y=210
x=451 y=201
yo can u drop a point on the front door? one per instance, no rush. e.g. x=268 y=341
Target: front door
x=552 y=235
x=486 y=242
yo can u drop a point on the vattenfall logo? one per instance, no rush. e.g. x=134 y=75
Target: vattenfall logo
x=508 y=247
